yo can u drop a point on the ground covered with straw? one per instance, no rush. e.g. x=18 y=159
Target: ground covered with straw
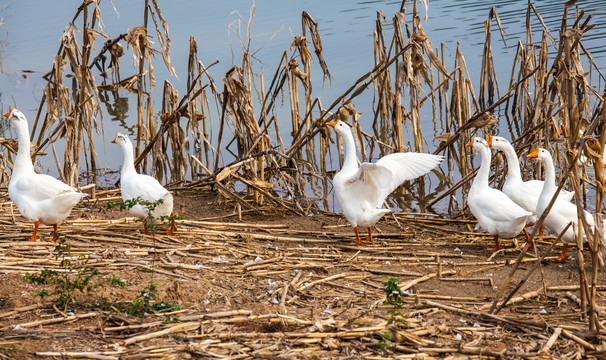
x=268 y=284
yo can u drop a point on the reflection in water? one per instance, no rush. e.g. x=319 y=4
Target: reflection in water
x=118 y=109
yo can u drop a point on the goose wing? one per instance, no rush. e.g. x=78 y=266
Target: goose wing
x=40 y=187
x=367 y=184
x=405 y=166
x=144 y=186
x=497 y=206
x=373 y=182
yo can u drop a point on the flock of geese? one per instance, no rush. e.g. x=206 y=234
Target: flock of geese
x=507 y=213
x=43 y=199
x=361 y=188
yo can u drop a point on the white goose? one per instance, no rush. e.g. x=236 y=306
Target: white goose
x=495 y=211
x=362 y=190
x=134 y=185
x=524 y=193
x=562 y=212
x=40 y=198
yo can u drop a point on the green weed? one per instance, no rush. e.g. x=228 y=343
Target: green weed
x=394 y=298
x=74 y=279
x=8 y=352
x=145 y=303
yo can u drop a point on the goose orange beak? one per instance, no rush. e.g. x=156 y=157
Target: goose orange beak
x=534 y=154
x=470 y=144
x=114 y=141
x=333 y=124
x=490 y=141
x=8 y=114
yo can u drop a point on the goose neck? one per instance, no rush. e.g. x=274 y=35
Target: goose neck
x=513 y=164
x=484 y=170
x=351 y=160
x=23 y=161
x=550 y=179
x=129 y=160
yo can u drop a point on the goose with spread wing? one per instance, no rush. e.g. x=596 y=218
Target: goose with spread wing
x=362 y=190
x=39 y=197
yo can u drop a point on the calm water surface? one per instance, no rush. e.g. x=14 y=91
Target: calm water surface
x=33 y=29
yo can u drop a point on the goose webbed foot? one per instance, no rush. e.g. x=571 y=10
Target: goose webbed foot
x=359 y=241
x=173 y=224
x=497 y=246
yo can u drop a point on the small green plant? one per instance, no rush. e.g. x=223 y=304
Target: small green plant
x=170 y=319
x=394 y=297
x=145 y=303
x=75 y=277
x=116 y=281
x=8 y=351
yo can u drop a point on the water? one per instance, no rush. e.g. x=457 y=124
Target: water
x=33 y=31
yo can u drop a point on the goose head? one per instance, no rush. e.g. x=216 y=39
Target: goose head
x=340 y=127
x=540 y=154
x=498 y=143
x=478 y=144
x=16 y=118
x=121 y=139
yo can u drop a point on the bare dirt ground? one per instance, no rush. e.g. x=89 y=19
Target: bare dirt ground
x=275 y=285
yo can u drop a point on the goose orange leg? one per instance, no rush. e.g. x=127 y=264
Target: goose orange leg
x=541 y=231
x=54 y=232
x=358 y=240
x=563 y=253
x=528 y=237
x=35 y=234
x=497 y=246
x=173 y=225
